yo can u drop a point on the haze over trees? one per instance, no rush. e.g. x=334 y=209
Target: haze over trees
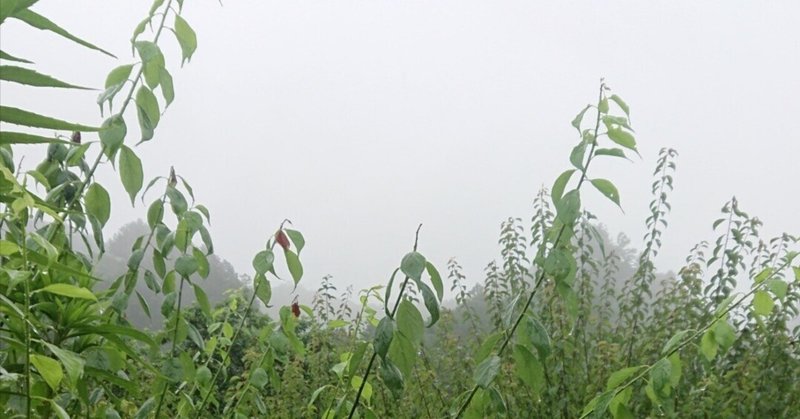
x=564 y=322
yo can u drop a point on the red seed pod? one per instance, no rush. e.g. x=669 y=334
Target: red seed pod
x=296 y=309
x=282 y=240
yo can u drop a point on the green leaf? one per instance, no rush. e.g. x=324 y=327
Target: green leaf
x=577 y=155
x=59 y=411
x=487 y=346
x=262 y=288
x=185 y=265
x=118 y=75
x=431 y=303
x=168 y=305
x=391 y=376
x=576 y=122
x=778 y=287
x=621 y=103
x=8 y=57
x=202 y=300
x=674 y=341
x=383 y=336
x=528 y=368
x=486 y=371
x=202 y=263
x=436 y=279
x=30 y=77
x=167 y=88
x=724 y=334
x=559 y=185
x=259 y=378
x=708 y=345
x=68 y=290
x=608 y=189
x=603 y=106
x=764 y=274
x=98 y=203
x=660 y=376
x=8 y=248
x=409 y=321
x=112 y=134
x=762 y=303
x=40 y=22
x=615 y=152
x=177 y=201
x=29 y=119
x=622 y=137
x=147 y=111
x=145 y=409
x=263 y=261
x=49 y=369
x=534 y=332
x=10 y=137
x=186 y=38
x=72 y=362
x=621 y=376
x=568 y=208
x=155 y=213
x=130 y=171
x=297 y=238
x=412 y=265
x=294 y=265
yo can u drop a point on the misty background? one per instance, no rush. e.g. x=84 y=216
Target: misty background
x=359 y=120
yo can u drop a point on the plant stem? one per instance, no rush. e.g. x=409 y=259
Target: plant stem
x=174 y=344
x=375 y=353
x=510 y=333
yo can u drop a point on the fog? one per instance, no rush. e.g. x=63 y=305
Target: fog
x=359 y=120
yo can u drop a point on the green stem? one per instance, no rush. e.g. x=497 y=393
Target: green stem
x=26 y=321
x=510 y=333
x=174 y=344
x=375 y=353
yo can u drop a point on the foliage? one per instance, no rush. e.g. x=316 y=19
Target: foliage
x=567 y=322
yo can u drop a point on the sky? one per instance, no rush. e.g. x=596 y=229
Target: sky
x=358 y=120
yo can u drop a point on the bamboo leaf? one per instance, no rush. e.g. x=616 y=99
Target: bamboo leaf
x=30 y=77
x=40 y=22
x=29 y=119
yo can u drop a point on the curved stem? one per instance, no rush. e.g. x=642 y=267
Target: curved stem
x=174 y=344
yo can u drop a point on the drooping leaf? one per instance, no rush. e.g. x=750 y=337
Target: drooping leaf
x=608 y=189
x=130 y=172
x=559 y=185
x=383 y=336
x=98 y=203
x=186 y=38
x=409 y=321
x=202 y=300
x=708 y=345
x=263 y=261
x=262 y=287
x=622 y=137
x=619 y=377
x=73 y=363
x=528 y=368
x=186 y=265
x=412 y=265
x=297 y=238
x=621 y=103
x=294 y=265
x=436 y=279
x=486 y=371
x=576 y=122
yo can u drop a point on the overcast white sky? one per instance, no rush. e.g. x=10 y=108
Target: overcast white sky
x=358 y=120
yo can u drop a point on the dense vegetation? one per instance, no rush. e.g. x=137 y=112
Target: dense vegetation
x=566 y=323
